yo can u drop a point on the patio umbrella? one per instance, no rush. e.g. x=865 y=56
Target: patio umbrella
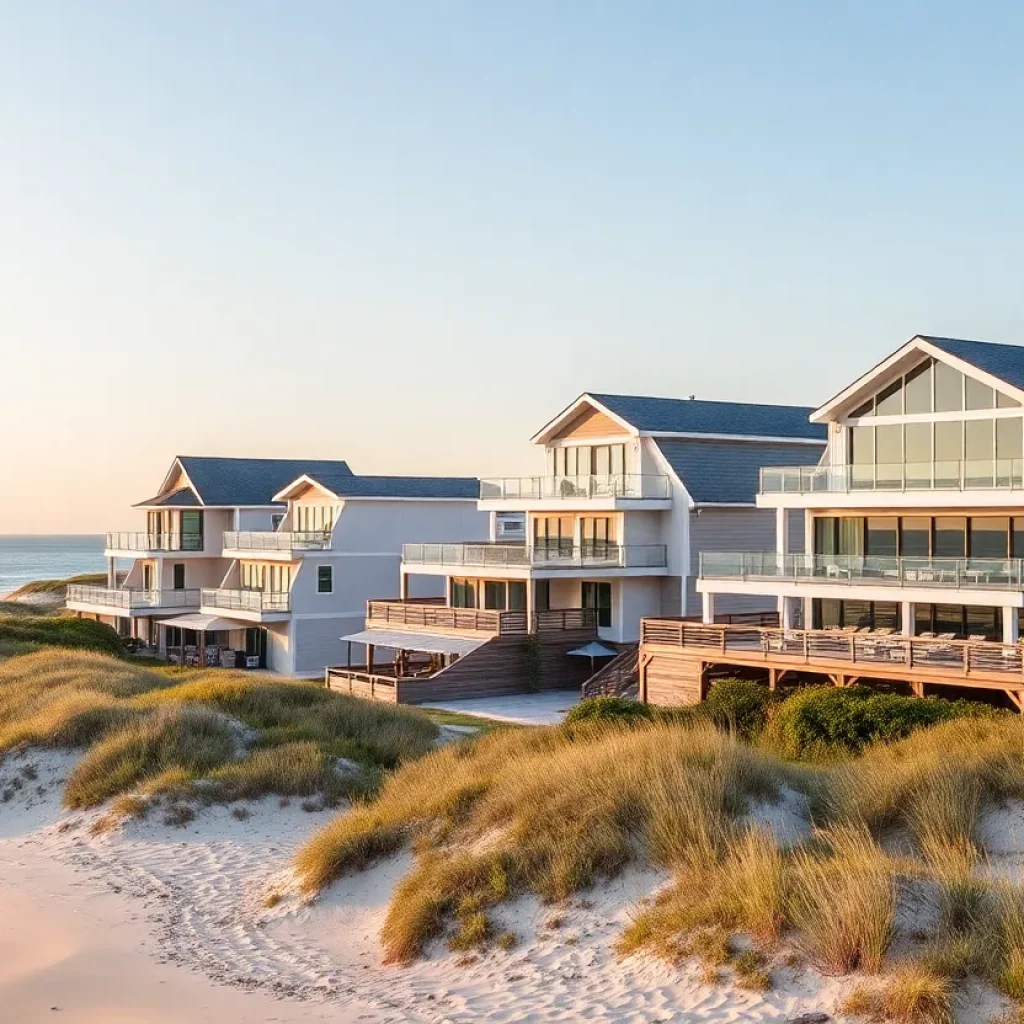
x=594 y=650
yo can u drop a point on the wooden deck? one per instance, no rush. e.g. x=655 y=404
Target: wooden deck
x=433 y=616
x=677 y=655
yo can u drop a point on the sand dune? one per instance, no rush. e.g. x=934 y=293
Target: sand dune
x=157 y=923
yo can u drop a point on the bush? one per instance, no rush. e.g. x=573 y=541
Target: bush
x=60 y=631
x=740 y=705
x=824 y=719
x=608 y=709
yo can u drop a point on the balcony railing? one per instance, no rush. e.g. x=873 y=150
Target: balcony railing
x=143 y=541
x=128 y=599
x=434 y=614
x=546 y=556
x=536 y=488
x=869 y=570
x=246 y=600
x=969 y=475
x=276 y=540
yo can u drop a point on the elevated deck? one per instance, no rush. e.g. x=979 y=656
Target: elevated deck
x=677 y=657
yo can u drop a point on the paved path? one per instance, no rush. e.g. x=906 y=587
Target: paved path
x=546 y=708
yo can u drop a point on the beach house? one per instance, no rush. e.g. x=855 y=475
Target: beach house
x=267 y=562
x=631 y=491
x=913 y=539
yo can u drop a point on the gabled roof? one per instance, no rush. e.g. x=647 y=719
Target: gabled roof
x=647 y=415
x=728 y=472
x=346 y=485
x=228 y=482
x=183 y=497
x=998 y=365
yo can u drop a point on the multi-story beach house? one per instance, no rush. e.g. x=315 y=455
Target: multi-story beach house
x=633 y=490
x=911 y=568
x=268 y=562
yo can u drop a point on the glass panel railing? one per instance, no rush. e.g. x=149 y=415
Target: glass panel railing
x=567 y=488
x=552 y=555
x=246 y=600
x=277 y=540
x=122 y=597
x=954 y=573
x=967 y=475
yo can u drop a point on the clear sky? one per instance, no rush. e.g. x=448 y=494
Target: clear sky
x=405 y=234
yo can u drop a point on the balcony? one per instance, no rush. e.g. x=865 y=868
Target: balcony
x=267 y=541
x=550 y=556
x=984 y=475
x=853 y=570
x=128 y=600
x=253 y=602
x=632 y=486
x=141 y=542
x=431 y=615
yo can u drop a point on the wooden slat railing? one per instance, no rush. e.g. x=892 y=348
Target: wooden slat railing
x=963 y=657
x=419 y=613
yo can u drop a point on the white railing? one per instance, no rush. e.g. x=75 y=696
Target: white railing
x=535 y=488
x=246 y=600
x=545 y=556
x=128 y=599
x=276 y=540
x=871 y=570
x=969 y=475
x=141 y=540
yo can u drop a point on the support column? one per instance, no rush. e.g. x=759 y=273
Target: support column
x=708 y=608
x=1010 y=628
x=403 y=586
x=786 y=612
x=111 y=572
x=531 y=603
x=808 y=612
x=782 y=534
x=907 y=618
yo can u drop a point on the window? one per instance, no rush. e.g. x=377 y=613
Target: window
x=948 y=453
x=1008 y=441
x=179 y=575
x=950 y=537
x=979 y=450
x=1006 y=402
x=978 y=395
x=276 y=519
x=463 y=593
x=918 y=454
x=599 y=597
x=495 y=595
x=147 y=575
x=191 y=531
x=1017 y=543
x=889 y=455
x=517 y=595
x=862 y=456
x=918 y=389
x=553 y=535
x=851 y=536
x=542 y=595
x=890 y=400
x=881 y=536
x=828 y=613
x=325 y=579
x=949 y=388
x=825 y=535
x=915 y=537
x=990 y=537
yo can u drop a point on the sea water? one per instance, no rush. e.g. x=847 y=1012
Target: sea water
x=24 y=558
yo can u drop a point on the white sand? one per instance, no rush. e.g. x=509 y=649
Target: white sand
x=156 y=923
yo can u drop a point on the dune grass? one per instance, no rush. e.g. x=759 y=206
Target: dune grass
x=59 y=586
x=204 y=734
x=57 y=631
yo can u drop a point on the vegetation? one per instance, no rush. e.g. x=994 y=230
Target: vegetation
x=609 y=709
x=210 y=734
x=20 y=633
x=59 y=587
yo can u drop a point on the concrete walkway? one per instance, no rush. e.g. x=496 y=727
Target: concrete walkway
x=546 y=708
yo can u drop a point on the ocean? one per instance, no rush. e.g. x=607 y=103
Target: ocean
x=24 y=558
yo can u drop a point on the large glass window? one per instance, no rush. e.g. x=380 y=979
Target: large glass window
x=599 y=597
x=1006 y=402
x=948 y=453
x=990 y=537
x=463 y=593
x=851 y=536
x=978 y=395
x=825 y=535
x=495 y=595
x=862 y=456
x=950 y=537
x=918 y=389
x=949 y=388
x=915 y=536
x=949 y=618
x=979 y=452
x=889 y=455
x=517 y=595
x=1017 y=541
x=829 y=613
x=191 y=531
x=890 y=400
x=1008 y=439
x=881 y=536
x=542 y=595
x=982 y=622
x=918 y=453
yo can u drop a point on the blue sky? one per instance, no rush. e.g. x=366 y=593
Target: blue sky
x=405 y=234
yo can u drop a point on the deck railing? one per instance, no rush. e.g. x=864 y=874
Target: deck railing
x=552 y=555
x=276 y=540
x=966 y=475
x=141 y=540
x=808 y=646
x=430 y=615
x=246 y=600
x=537 y=488
x=128 y=599
x=866 y=570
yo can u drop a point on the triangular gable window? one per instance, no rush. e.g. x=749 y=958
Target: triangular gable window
x=933 y=386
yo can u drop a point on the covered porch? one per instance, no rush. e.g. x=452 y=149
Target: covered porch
x=201 y=640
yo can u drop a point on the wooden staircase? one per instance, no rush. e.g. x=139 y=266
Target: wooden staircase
x=619 y=678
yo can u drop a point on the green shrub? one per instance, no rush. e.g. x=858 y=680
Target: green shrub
x=608 y=709
x=740 y=705
x=824 y=719
x=59 y=631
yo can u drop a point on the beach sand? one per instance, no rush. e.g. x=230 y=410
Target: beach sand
x=156 y=923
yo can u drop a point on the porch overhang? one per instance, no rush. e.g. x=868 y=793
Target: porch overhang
x=427 y=643
x=204 y=623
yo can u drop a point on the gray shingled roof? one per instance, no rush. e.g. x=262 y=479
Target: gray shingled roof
x=346 y=485
x=728 y=471
x=678 y=415
x=1003 y=361
x=221 y=481
x=184 y=497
